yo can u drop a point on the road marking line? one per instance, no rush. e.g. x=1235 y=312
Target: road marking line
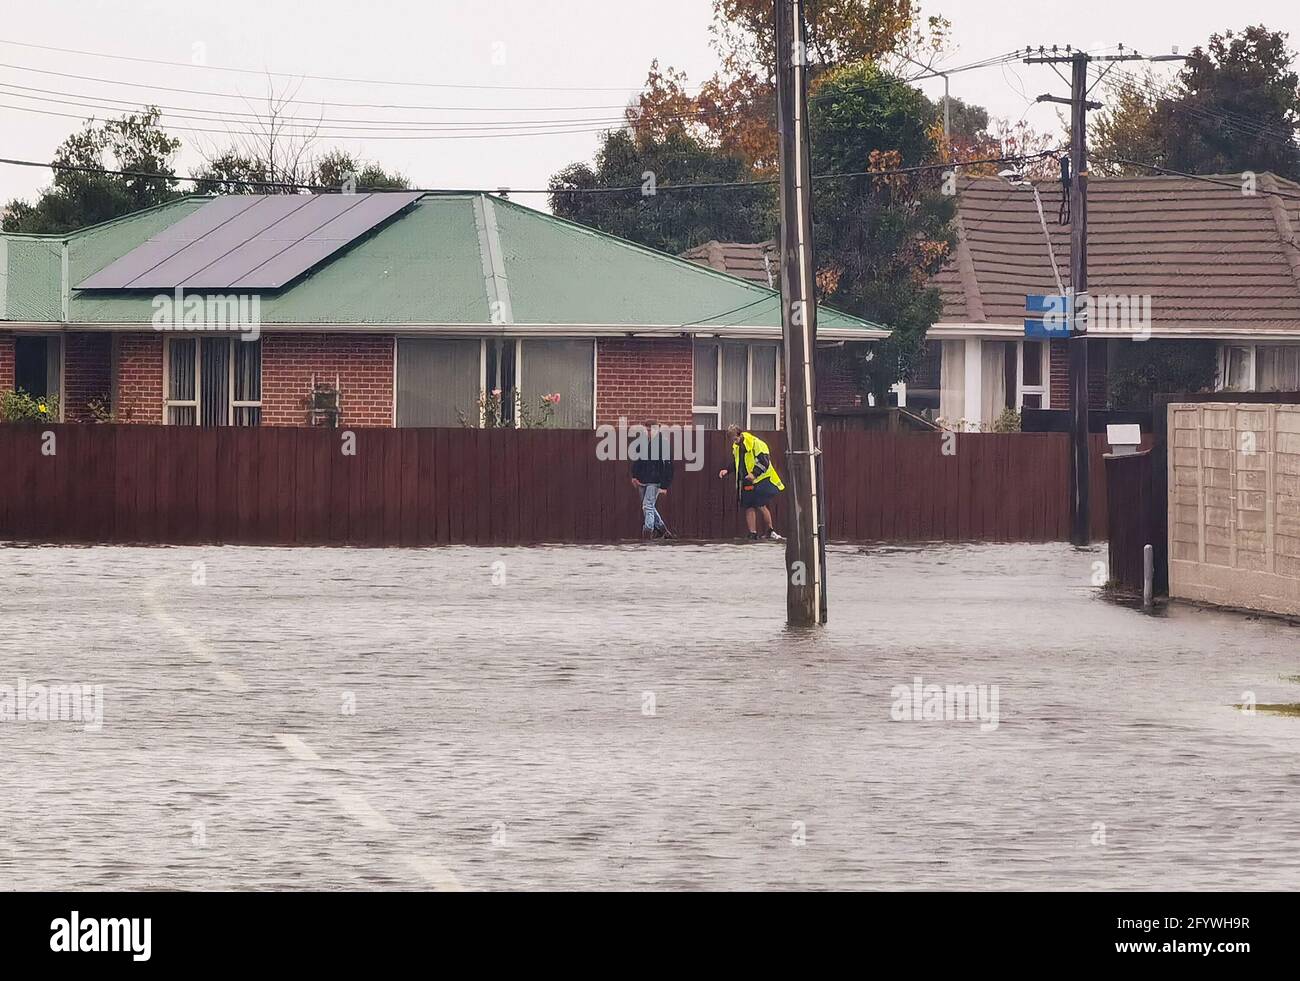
x=352 y=803
x=360 y=809
x=296 y=747
x=231 y=680
x=440 y=877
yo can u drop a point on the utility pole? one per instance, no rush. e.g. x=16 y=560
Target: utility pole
x=1080 y=452
x=804 y=549
x=1077 y=342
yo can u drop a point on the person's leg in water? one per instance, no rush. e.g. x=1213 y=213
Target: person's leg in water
x=651 y=522
x=767 y=517
x=751 y=522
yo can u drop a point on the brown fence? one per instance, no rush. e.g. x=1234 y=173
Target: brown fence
x=157 y=484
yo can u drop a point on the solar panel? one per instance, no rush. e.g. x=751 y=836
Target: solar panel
x=137 y=262
x=325 y=240
x=249 y=241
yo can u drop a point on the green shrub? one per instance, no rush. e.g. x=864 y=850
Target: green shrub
x=1007 y=422
x=19 y=406
x=1145 y=368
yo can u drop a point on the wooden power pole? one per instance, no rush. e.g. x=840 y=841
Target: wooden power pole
x=804 y=550
x=1077 y=343
x=1080 y=460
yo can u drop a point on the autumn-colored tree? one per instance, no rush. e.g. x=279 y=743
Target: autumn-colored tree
x=736 y=108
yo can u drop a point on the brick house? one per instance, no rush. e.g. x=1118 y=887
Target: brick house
x=1212 y=262
x=759 y=262
x=408 y=320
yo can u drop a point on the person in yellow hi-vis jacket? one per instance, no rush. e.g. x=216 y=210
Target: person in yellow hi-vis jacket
x=757 y=481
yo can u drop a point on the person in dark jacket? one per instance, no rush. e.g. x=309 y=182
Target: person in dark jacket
x=652 y=477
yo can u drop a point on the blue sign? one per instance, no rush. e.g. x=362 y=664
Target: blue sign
x=1057 y=310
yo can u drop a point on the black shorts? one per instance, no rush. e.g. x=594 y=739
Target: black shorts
x=757 y=495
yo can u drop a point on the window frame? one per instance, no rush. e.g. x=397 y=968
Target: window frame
x=483 y=382
x=1044 y=389
x=63 y=364
x=1225 y=355
x=231 y=404
x=751 y=410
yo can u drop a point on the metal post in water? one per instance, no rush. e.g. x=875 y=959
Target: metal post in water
x=1148 y=576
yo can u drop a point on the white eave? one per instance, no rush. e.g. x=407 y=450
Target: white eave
x=943 y=331
x=739 y=331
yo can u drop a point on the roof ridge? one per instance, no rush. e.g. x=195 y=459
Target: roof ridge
x=1282 y=221
x=966 y=271
x=699 y=268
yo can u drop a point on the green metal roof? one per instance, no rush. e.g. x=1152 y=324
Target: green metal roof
x=442 y=261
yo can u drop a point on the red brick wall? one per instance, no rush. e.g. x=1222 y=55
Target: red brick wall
x=87 y=373
x=837 y=379
x=6 y=362
x=1060 y=374
x=362 y=362
x=137 y=377
x=644 y=378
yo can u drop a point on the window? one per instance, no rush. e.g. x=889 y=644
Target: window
x=440 y=379
x=736 y=384
x=1260 y=368
x=1033 y=375
x=924 y=386
x=213 y=381
x=567 y=367
x=1278 y=367
x=38 y=365
x=1239 y=371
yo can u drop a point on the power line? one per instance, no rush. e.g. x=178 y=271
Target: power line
x=316 y=131
x=325 y=78
x=619 y=120
x=1204 y=178
x=638 y=188
x=1173 y=98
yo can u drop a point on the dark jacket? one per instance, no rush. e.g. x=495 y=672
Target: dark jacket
x=656 y=471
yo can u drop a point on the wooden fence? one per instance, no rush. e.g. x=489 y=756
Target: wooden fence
x=157 y=484
x=1131 y=527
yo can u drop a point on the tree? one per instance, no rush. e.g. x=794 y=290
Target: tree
x=736 y=108
x=235 y=172
x=1235 y=106
x=337 y=167
x=77 y=198
x=879 y=239
x=1143 y=369
x=673 y=221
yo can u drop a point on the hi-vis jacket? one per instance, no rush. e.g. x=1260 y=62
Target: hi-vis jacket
x=758 y=460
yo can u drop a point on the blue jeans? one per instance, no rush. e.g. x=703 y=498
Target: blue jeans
x=649 y=496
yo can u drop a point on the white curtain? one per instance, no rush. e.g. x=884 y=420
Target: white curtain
x=993 y=380
x=566 y=367
x=1278 y=367
x=437 y=378
x=952 y=381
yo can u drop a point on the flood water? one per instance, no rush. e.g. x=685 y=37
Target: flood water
x=633 y=717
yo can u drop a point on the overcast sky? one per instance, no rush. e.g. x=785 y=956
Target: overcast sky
x=591 y=55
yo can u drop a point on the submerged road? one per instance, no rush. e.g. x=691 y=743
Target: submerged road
x=634 y=717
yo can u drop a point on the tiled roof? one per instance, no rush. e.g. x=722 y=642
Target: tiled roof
x=755 y=261
x=1208 y=255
